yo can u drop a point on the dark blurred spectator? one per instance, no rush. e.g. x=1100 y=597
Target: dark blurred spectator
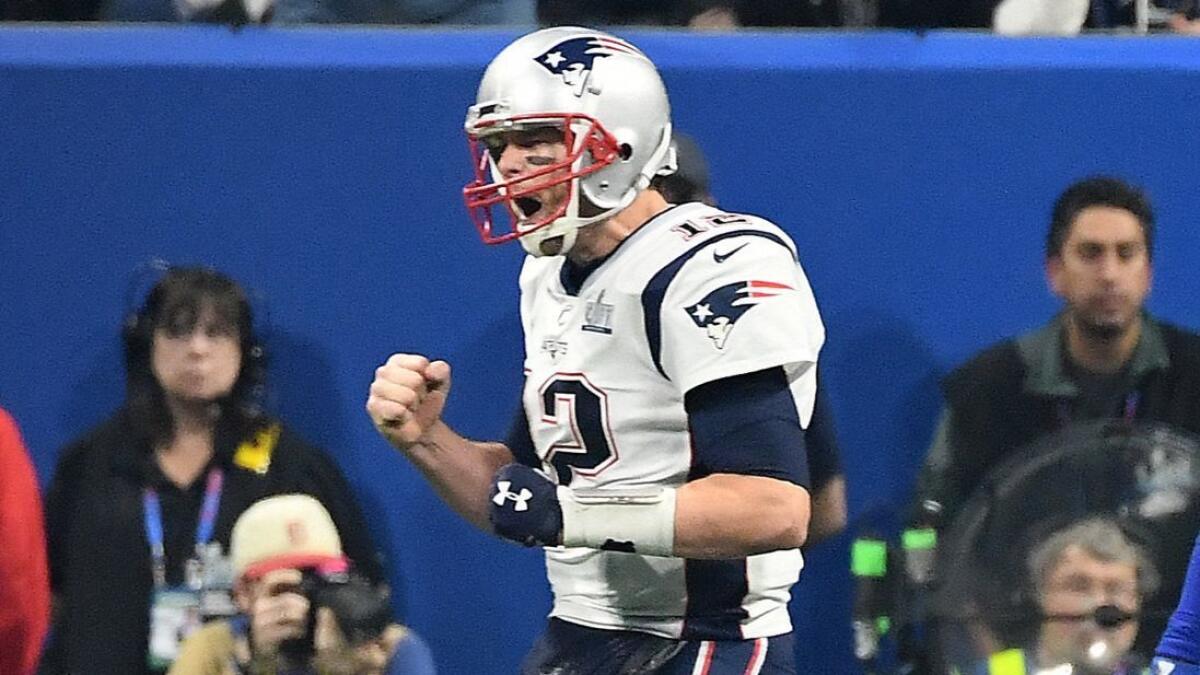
x=1068 y=17
x=1063 y=17
x=708 y=14
x=1185 y=17
x=969 y=13
x=959 y=13
x=24 y=580
x=829 y=512
x=617 y=12
x=919 y=13
x=806 y=13
x=1159 y=14
x=443 y=12
x=161 y=11
x=690 y=182
x=1036 y=17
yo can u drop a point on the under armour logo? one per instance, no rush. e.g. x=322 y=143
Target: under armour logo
x=504 y=494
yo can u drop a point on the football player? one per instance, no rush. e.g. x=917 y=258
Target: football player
x=670 y=363
x=1178 y=652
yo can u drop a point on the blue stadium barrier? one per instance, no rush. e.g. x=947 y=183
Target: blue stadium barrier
x=322 y=167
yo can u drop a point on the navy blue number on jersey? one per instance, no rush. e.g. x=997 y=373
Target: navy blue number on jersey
x=572 y=400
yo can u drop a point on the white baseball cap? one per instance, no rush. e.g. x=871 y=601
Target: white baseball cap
x=286 y=531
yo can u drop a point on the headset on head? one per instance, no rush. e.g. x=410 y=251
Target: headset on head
x=1015 y=600
x=137 y=331
x=145 y=277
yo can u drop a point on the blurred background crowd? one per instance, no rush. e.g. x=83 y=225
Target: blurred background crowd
x=1064 y=17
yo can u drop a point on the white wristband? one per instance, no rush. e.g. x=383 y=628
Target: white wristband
x=640 y=520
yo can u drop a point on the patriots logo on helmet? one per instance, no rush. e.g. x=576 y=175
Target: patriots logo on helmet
x=720 y=309
x=573 y=59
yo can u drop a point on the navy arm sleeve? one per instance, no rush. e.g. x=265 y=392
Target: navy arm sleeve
x=520 y=440
x=824 y=455
x=747 y=424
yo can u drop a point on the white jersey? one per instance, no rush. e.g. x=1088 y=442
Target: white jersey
x=694 y=295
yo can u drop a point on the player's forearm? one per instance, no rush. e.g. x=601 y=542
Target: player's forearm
x=460 y=470
x=732 y=516
x=718 y=517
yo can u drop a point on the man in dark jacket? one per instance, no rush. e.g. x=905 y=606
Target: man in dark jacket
x=1103 y=356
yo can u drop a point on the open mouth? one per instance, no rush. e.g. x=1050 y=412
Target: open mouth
x=528 y=205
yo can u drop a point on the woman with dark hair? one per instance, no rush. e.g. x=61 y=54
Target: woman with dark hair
x=140 y=510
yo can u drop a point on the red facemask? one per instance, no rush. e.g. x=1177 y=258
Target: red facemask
x=582 y=134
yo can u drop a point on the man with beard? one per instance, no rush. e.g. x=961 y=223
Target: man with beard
x=1102 y=356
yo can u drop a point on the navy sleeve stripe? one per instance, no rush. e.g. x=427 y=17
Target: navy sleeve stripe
x=656 y=289
x=520 y=440
x=747 y=424
x=716 y=590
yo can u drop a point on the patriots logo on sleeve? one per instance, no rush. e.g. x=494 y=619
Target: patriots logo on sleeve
x=573 y=59
x=720 y=309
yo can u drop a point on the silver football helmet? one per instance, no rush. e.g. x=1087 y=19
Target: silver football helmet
x=611 y=106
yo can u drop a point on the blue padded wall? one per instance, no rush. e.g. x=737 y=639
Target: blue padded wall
x=322 y=168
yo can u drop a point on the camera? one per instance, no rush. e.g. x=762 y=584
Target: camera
x=363 y=611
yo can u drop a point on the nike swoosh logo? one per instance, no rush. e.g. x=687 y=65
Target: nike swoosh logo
x=719 y=258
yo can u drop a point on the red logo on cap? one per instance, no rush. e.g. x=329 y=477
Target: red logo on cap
x=296 y=533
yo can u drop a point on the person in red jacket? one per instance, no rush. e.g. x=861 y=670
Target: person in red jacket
x=24 y=579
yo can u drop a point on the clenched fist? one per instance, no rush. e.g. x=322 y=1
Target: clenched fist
x=407 y=397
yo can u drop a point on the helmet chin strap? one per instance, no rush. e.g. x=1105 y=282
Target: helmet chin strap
x=566 y=227
x=533 y=242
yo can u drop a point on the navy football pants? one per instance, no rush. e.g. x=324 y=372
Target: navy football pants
x=569 y=649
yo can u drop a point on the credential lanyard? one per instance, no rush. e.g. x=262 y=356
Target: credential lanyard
x=204 y=529
x=1128 y=410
